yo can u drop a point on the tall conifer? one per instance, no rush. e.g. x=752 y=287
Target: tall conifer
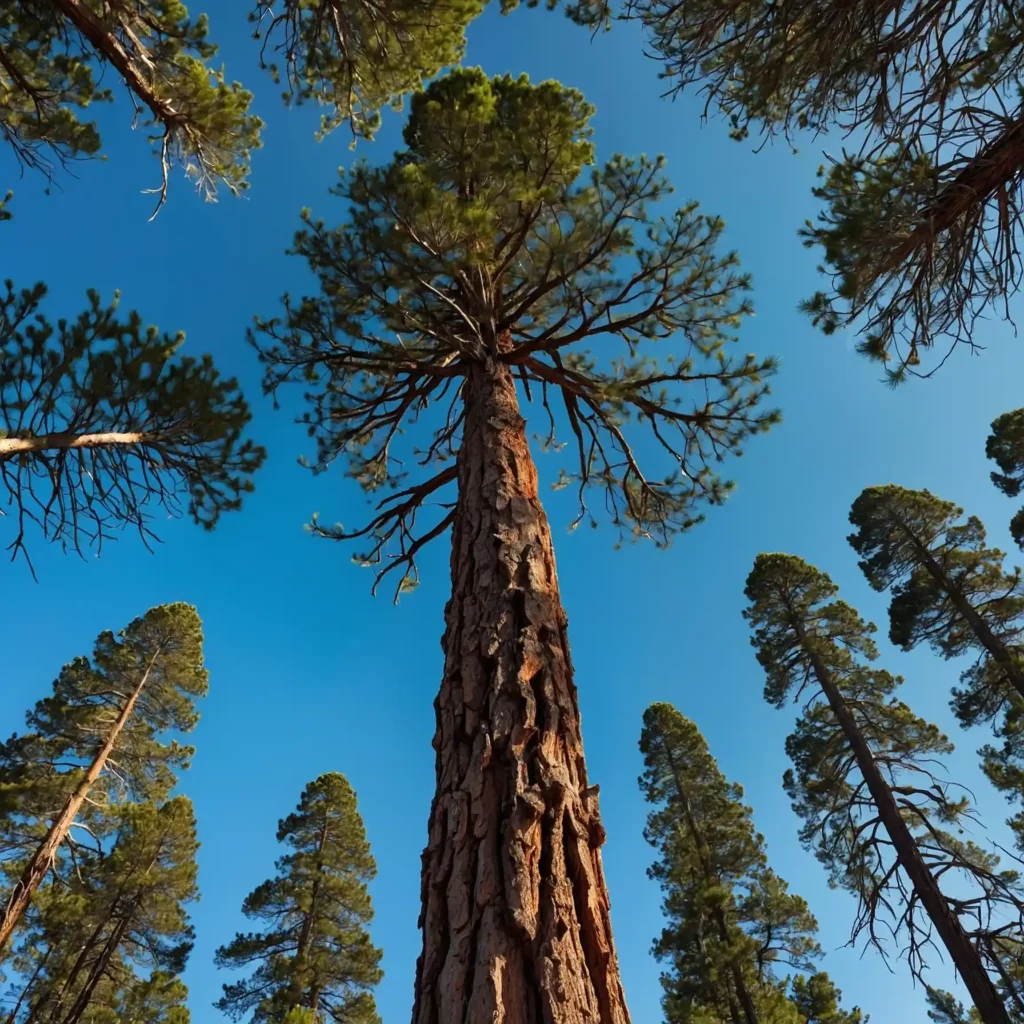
x=472 y=271
x=864 y=780
x=952 y=591
x=102 y=734
x=314 y=961
x=732 y=924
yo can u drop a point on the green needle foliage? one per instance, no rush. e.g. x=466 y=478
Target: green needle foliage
x=53 y=55
x=951 y=591
x=817 y=999
x=109 y=716
x=920 y=232
x=103 y=422
x=356 y=57
x=1005 y=446
x=479 y=239
x=731 y=920
x=106 y=946
x=867 y=781
x=314 y=960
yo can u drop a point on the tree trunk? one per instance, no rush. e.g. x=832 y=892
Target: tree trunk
x=37 y=868
x=965 y=957
x=81 y=1003
x=302 y=946
x=995 y=647
x=515 y=911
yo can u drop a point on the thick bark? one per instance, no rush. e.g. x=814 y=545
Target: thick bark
x=37 y=868
x=994 y=168
x=132 y=67
x=515 y=912
x=740 y=995
x=962 y=952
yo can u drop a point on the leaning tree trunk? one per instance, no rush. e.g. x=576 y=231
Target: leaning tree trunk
x=515 y=910
x=962 y=951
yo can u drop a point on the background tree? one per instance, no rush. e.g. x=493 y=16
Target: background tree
x=817 y=1001
x=356 y=57
x=952 y=591
x=731 y=920
x=864 y=781
x=108 y=945
x=102 y=422
x=52 y=52
x=470 y=262
x=101 y=734
x=1005 y=446
x=921 y=228
x=315 y=954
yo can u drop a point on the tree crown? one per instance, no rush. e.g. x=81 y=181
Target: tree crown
x=477 y=242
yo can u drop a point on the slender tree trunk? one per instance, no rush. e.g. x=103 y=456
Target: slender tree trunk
x=13 y=1016
x=302 y=946
x=79 y=964
x=742 y=992
x=36 y=869
x=515 y=911
x=965 y=957
x=81 y=1003
x=11 y=446
x=982 y=177
x=995 y=647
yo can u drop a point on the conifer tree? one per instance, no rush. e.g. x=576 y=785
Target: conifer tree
x=921 y=228
x=55 y=54
x=101 y=735
x=102 y=422
x=107 y=946
x=817 y=1000
x=864 y=781
x=471 y=271
x=731 y=920
x=314 y=961
x=1005 y=446
x=952 y=591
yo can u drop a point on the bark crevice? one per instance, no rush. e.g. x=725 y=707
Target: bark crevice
x=516 y=923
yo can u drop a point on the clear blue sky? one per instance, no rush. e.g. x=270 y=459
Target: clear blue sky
x=310 y=674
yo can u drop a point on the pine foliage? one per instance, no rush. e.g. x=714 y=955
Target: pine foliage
x=482 y=240
x=815 y=649
x=313 y=960
x=732 y=926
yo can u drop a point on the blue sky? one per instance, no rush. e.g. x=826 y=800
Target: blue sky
x=310 y=674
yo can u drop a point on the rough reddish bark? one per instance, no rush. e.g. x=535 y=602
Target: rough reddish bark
x=515 y=913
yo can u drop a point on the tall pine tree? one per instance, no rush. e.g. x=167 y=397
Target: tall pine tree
x=865 y=781
x=314 y=961
x=731 y=921
x=473 y=268
x=953 y=592
x=108 y=944
x=100 y=736
x=1005 y=446
x=102 y=422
